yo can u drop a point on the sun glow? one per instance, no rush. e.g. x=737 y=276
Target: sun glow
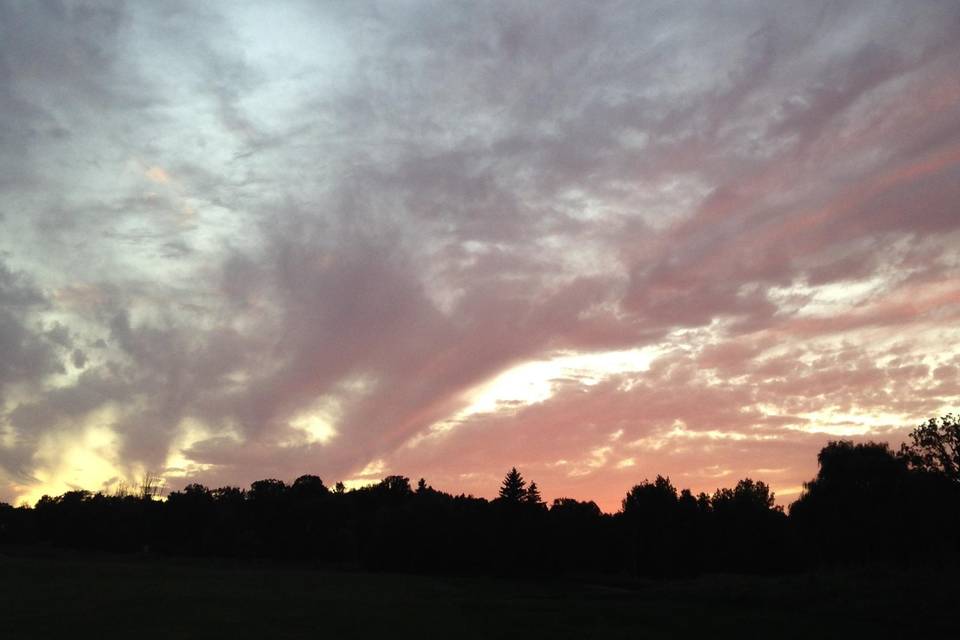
x=537 y=381
x=82 y=462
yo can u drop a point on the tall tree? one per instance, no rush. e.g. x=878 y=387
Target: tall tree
x=513 y=488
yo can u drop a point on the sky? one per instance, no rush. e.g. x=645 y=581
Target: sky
x=598 y=241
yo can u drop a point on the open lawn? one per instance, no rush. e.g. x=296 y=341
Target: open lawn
x=61 y=595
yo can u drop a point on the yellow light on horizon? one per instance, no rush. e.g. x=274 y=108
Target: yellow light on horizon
x=84 y=462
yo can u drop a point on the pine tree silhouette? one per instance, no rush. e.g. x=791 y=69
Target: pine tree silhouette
x=532 y=495
x=513 y=487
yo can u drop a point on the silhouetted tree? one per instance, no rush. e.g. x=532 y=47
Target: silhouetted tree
x=396 y=486
x=517 y=515
x=865 y=504
x=267 y=490
x=692 y=534
x=190 y=521
x=266 y=511
x=307 y=519
x=749 y=530
x=233 y=495
x=847 y=512
x=532 y=495
x=650 y=510
x=17 y=525
x=582 y=537
x=747 y=496
x=650 y=499
x=151 y=486
x=513 y=488
x=934 y=447
x=572 y=509
x=307 y=487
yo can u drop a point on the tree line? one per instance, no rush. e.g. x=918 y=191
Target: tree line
x=867 y=503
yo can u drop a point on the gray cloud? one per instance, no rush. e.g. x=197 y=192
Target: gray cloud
x=26 y=355
x=215 y=220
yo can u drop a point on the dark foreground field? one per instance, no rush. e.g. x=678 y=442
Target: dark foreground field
x=69 y=596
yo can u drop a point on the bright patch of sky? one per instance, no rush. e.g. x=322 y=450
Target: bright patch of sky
x=537 y=381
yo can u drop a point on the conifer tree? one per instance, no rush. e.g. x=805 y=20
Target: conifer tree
x=513 y=487
x=532 y=495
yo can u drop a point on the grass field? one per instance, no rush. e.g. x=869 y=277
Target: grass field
x=60 y=595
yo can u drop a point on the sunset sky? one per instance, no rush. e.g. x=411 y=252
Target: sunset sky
x=598 y=241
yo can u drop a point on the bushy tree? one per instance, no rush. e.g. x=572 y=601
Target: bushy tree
x=267 y=490
x=850 y=511
x=747 y=496
x=397 y=486
x=934 y=447
x=748 y=530
x=650 y=499
x=651 y=513
x=307 y=487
